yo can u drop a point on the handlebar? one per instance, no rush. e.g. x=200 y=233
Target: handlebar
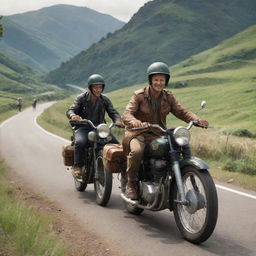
x=82 y=122
x=190 y=125
x=86 y=121
x=149 y=126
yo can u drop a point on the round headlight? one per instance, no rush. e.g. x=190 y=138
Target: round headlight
x=181 y=136
x=91 y=136
x=103 y=130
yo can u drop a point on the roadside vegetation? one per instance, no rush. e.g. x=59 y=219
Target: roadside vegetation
x=23 y=231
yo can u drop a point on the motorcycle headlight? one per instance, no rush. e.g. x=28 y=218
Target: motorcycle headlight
x=103 y=130
x=91 y=136
x=181 y=136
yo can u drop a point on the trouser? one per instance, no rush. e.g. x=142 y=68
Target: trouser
x=137 y=146
x=81 y=142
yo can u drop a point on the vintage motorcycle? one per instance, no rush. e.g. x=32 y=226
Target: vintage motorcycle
x=170 y=178
x=93 y=170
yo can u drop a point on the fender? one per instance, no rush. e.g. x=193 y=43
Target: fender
x=193 y=161
x=196 y=162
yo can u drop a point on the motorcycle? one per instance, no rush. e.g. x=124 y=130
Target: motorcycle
x=170 y=178
x=93 y=170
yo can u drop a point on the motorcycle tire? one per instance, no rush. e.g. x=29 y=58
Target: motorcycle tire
x=102 y=183
x=81 y=186
x=197 y=220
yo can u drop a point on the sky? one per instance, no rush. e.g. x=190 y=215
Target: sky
x=120 y=9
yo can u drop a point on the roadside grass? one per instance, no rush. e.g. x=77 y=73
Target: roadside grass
x=23 y=231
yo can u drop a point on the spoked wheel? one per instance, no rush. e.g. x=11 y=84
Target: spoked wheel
x=131 y=208
x=102 y=182
x=196 y=221
x=81 y=185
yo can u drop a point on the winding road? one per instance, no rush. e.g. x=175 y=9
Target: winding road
x=35 y=156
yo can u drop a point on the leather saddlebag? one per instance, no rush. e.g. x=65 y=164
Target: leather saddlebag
x=114 y=159
x=68 y=155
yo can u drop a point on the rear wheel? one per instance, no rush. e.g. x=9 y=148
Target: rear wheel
x=196 y=221
x=102 y=181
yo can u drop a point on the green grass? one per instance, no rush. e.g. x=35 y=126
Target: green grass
x=23 y=231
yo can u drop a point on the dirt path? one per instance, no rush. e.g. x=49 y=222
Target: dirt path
x=80 y=240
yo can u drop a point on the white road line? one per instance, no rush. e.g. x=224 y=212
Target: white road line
x=236 y=191
x=7 y=121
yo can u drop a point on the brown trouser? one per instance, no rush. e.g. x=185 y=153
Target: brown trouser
x=137 y=146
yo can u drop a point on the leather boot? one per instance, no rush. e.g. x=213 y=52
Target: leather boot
x=131 y=190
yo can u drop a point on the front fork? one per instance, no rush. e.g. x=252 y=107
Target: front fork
x=95 y=162
x=177 y=173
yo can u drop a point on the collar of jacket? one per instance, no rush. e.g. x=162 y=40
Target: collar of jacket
x=147 y=94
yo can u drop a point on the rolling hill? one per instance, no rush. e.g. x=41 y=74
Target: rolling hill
x=162 y=30
x=18 y=80
x=43 y=39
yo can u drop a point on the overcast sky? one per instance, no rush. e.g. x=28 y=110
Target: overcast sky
x=120 y=9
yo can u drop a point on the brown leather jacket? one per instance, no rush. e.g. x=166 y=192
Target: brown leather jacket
x=140 y=108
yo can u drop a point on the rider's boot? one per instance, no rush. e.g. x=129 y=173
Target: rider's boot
x=77 y=172
x=131 y=187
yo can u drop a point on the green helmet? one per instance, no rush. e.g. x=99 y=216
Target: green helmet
x=158 y=68
x=95 y=79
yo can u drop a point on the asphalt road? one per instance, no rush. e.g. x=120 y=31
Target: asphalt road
x=35 y=156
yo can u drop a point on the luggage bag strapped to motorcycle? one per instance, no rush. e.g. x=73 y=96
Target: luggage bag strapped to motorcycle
x=114 y=159
x=68 y=155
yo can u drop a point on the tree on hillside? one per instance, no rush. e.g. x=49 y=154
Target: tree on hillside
x=1 y=27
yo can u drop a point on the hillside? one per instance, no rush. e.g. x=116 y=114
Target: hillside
x=224 y=76
x=17 y=80
x=162 y=30
x=43 y=39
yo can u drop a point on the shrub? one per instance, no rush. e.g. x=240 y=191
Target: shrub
x=243 y=133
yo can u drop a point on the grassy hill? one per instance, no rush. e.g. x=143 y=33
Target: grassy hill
x=162 y=30
x=224 y=76
x=43 y=39
x=17 y=80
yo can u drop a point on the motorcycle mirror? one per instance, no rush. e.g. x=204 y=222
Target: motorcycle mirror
x=203 y=103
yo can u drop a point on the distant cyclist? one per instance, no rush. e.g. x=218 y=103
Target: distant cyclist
x=34 y=101
x=19 y=103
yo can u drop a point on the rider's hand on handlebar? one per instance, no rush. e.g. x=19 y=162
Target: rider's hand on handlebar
x=75 y=117
x=202 y=123
x=119 y=124
x=138 y=124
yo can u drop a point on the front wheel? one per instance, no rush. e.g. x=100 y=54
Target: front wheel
x=102 y=181
x=81 y=185
x=196 y=221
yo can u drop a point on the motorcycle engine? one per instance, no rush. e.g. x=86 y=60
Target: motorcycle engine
x=157 y=168
x=148 y=191
x=149 y=188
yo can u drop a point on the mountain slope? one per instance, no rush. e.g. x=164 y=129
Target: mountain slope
x=162 y=30
x=43 y=39
x=16 y=80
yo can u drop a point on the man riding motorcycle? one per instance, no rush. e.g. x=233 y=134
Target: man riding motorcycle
x=149 y=105
x=90 y=105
